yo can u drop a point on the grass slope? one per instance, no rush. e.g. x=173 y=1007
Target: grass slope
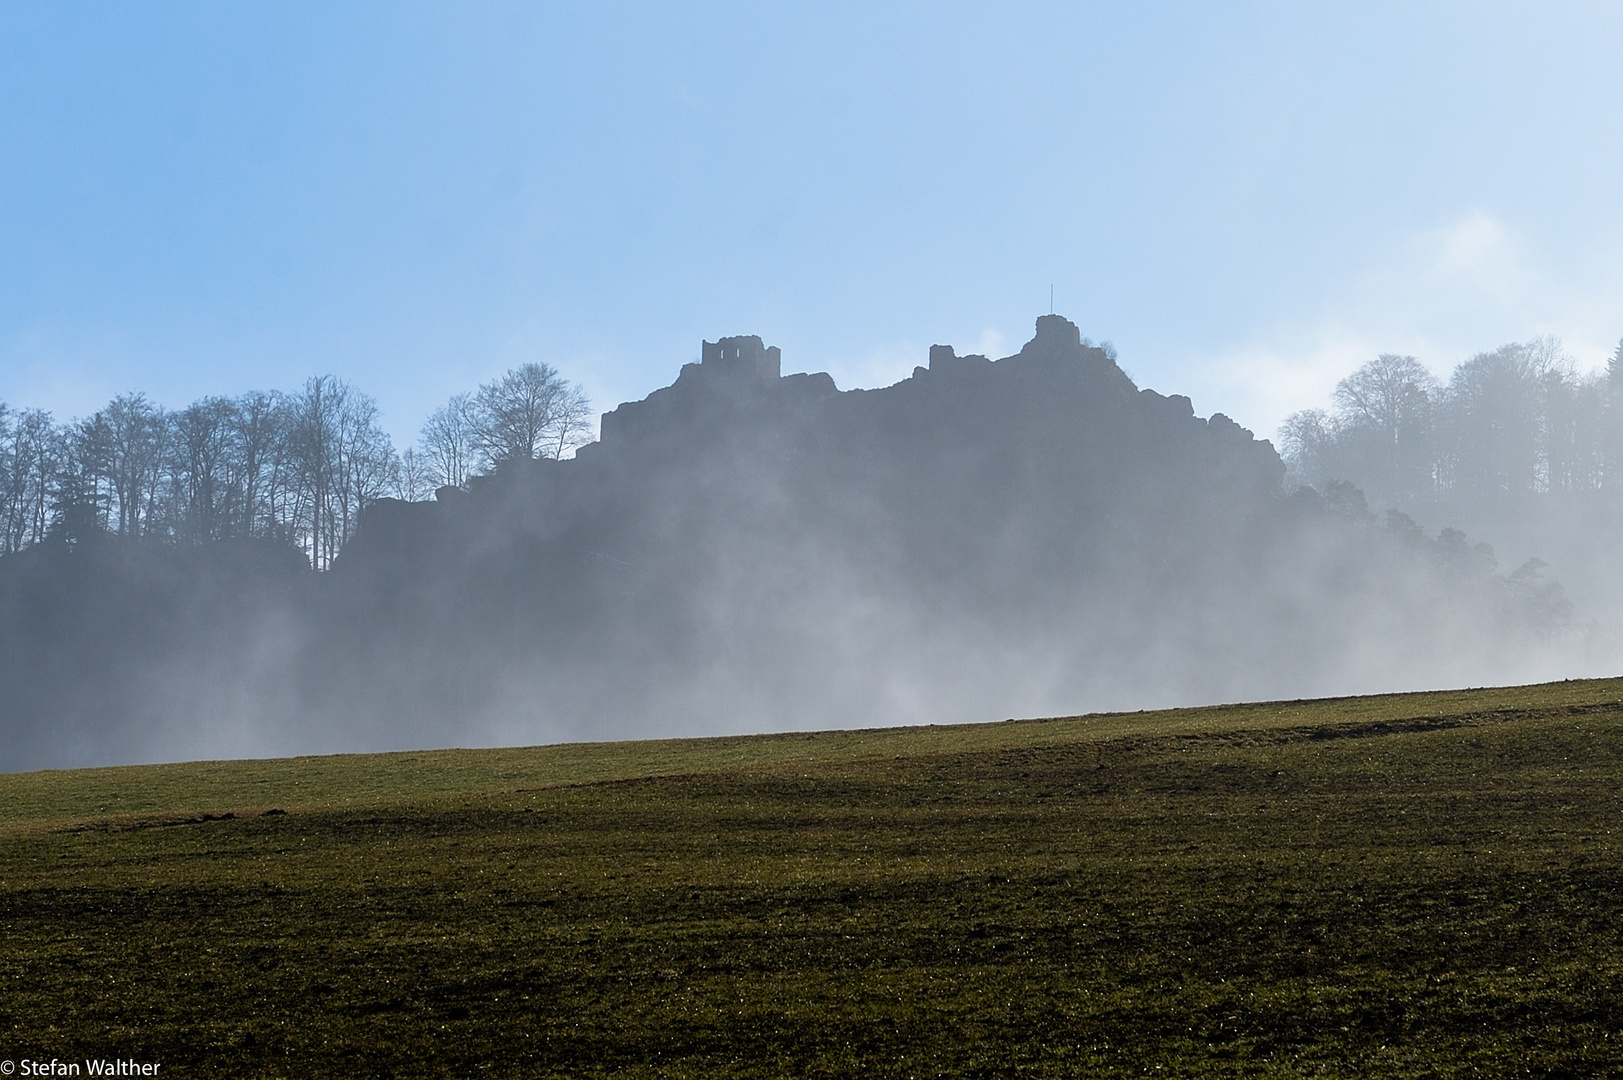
x=1406 y=885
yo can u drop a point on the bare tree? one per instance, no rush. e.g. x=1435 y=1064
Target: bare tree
x=1307 y=443
x=313 y=438
x=1611 y=450
x=342 y=462
x=1574 y=416
x=116 y=463
x=528 y=413
x=207 y=464
x=572 y=424
x=33 y=457
x=448 y=442
x=367 y=468
x=82 y=486
x=1493 y=420
x=136 y=433
x=1385 y=424
x=414 y=480
x=267 y=466
x=85 y=490
x=8 y=481
x=1387 y=394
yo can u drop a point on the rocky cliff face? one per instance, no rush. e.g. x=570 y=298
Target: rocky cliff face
x=974 y=476
x=987 y=537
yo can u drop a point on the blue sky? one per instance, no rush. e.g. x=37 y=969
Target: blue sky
x=1248 y=200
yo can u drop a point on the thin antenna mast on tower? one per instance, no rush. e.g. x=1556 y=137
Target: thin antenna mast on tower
x=1051 y=299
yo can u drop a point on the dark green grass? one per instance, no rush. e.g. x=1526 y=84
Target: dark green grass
x=1415 y=885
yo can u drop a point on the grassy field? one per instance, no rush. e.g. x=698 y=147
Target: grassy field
x=1423 y=885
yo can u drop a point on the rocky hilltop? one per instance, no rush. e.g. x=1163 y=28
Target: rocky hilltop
x=745 y=550
x=1001 y=482
x=1028 y=534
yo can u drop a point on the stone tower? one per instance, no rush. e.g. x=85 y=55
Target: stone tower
x=742 y=356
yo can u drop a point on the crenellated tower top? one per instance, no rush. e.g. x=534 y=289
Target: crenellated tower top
x=744 y=355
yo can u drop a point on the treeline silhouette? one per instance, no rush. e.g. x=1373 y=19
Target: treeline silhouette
x=1517 y=421
x=296 y=469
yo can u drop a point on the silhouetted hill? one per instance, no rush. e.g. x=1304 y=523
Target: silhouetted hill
x=986 y=537
x=1001 y=484
x=745 y=550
